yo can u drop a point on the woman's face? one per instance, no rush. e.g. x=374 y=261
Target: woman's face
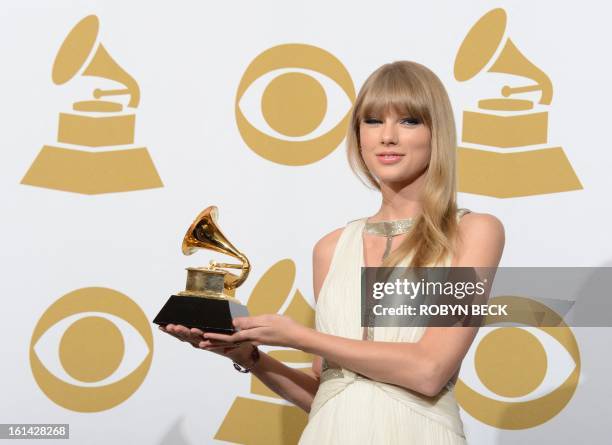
x=396 y=149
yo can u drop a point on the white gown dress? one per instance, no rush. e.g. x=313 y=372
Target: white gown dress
x=352 y=409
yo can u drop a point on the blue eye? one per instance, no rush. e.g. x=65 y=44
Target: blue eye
x=411 y=121
x=372 y=121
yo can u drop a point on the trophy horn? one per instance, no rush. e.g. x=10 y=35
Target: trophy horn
x=204 y=233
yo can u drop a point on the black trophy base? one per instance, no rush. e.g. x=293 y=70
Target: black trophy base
x=206 y=314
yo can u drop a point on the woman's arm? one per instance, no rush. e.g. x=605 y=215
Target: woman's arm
x=296 y=386
x=291 y=384
x=425 y=366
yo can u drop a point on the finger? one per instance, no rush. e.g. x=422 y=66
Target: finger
x=175 y=329
x=188 y=334
x=182 y=330
x=251 y=322
x=239 y=337
x=225 y=347
x=184 y=338
x=208 y=346
x=212 y=342
x=196 y=334
x=169 y=331
x=222 y=337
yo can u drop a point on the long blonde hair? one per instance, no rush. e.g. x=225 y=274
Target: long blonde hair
x=413 y=90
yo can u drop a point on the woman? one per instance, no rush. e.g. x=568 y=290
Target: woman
x=380 y=385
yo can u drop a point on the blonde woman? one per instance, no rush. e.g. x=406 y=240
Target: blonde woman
x=379 y=385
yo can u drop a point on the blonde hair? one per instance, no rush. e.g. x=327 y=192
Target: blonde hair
x=413 y=90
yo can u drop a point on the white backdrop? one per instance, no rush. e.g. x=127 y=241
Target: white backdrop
x=188 y=58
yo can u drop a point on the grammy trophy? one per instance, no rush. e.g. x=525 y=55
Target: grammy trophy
x=208 y=302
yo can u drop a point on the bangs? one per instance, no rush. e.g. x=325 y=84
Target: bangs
x=396 y=90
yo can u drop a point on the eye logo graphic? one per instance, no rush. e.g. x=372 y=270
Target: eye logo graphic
x=91 y=349
x=94 y=124
x=294 y=104
x=501 y=160
x=269 y=422
x=512 y=364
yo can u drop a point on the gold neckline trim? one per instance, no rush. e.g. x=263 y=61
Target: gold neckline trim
x=389 y=228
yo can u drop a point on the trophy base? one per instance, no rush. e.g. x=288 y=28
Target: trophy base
x=206 y=314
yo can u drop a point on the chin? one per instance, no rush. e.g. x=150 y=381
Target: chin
x=394 y=180
x=400 y=178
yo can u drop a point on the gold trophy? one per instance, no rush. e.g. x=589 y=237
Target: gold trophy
x=208 y=302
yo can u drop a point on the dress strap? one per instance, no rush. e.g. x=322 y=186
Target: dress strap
x=462 y=212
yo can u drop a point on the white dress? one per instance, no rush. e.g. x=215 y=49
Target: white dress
x=352 y=409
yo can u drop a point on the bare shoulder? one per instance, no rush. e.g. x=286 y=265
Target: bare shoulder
x=324 y=248
x=481 y=240
x=322 y=255
x=474 y=223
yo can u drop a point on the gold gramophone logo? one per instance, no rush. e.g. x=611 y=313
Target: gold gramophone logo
x=98 y=153
x=505 y=157
x=259 y=422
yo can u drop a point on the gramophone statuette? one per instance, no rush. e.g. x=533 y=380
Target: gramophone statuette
x=95 y=150
x=507 y=155
x=208 y=301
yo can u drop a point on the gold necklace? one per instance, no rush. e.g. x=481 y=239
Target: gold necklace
x=389 y=229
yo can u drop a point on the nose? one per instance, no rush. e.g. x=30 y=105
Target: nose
x=389 y=134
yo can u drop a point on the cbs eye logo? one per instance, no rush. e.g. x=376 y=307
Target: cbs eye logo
x=298 y=87
x=85 y=338
x=520 y=377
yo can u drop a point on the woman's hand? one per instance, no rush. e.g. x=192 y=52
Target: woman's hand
x=239 y=353
x=272 y=330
